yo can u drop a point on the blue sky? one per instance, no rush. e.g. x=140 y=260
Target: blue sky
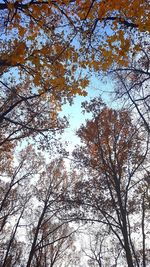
x=74 y=112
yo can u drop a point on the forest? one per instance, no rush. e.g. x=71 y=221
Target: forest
x=88 y=206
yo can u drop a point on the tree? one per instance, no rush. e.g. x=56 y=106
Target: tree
x=37 y=49
x=48 y=233
x=12 y=182
x=102 y=248
x=47 y=41
x=132 y=84
x=32 y=204
x=14 y=200
x=37 y=69
x=53 y=249
x=44 y=46
x=27 y=115
x=105 y=29
x=113 y=154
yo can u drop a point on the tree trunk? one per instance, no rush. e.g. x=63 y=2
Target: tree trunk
x=35 y=238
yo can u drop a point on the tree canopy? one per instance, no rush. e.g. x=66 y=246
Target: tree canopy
x=108 y=28
x=50 y=51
